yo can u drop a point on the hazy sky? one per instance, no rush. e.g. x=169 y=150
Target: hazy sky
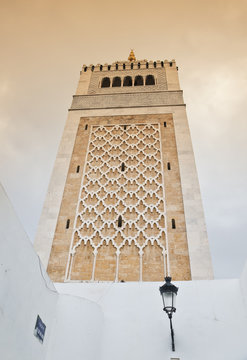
x=45 y=43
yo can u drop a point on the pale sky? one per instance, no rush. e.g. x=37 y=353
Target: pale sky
x=45 y=43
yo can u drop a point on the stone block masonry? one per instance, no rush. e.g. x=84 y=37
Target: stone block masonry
x=146 y=194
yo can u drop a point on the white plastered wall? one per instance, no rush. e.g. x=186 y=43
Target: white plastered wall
x=210 y=322
x=73 y=325
x=201 y=267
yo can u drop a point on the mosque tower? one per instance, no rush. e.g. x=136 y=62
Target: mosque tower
x=124 y=202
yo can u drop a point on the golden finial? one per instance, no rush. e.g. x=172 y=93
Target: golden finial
x=132 y=56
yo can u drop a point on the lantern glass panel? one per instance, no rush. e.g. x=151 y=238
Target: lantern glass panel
x=169 y=300
x=168 y=296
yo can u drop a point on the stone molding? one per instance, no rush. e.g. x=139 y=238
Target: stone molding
x=159 y=98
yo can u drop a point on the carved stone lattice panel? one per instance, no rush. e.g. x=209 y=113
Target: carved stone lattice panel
x=120 y=227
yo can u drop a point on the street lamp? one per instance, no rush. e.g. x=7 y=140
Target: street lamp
x=168 y=292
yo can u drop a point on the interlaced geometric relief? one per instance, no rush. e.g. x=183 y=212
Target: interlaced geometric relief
x=120 y=228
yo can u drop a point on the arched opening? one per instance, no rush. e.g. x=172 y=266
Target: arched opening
x=116 y=66
x=92 y=68
x=155 y=64
x=150 y=80
x=124 y=66
x=162 y=63
x=122 y=167
x=147 y=65
x=85 y=68
x=139 y=65
x=131 y=65
x=109 y=67
x=127 y=81
x=101 y=67
x=116 y=81
x=138 y=80
x=105 y=82
x=119 y=223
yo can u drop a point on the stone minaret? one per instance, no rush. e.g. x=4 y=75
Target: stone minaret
x=124 y=202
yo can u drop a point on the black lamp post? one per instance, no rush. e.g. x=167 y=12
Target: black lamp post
x=168 y=292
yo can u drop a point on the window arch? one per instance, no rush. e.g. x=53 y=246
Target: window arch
x=147 y=65
x=116 y=81
x=155 y=64
x=127 y=81
x=131 y=65
x=150 y=80
x=101 y=67
x=120 y=221
x=138 y=80
x=105 y=82
x=92 y=68
x=85 y=68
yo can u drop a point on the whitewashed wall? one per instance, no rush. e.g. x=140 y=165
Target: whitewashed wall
x=210 y=322
x=73 y=325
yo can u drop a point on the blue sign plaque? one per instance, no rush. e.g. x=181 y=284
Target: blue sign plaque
x=39 y=330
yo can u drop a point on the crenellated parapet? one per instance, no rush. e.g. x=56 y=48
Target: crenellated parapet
x=130 y=65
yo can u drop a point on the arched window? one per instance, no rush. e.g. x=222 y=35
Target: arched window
x=124 y=66
x=109 y=67
x=101 y=67
x=85 y=68
x=139 y=65
x=155 y=64
x=116 y=66
x=105 y=82
x=150 y=80
x=119 y=223
x=138 y=80
x=162 y=63
x=131 y=65
x=92 y=68
x=147 y=65
x=127 y=81
x=116 y=81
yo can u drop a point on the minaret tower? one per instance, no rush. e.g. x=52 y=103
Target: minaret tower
x=124 y=202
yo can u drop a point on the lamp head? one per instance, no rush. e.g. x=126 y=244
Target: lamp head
x=168 y=292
